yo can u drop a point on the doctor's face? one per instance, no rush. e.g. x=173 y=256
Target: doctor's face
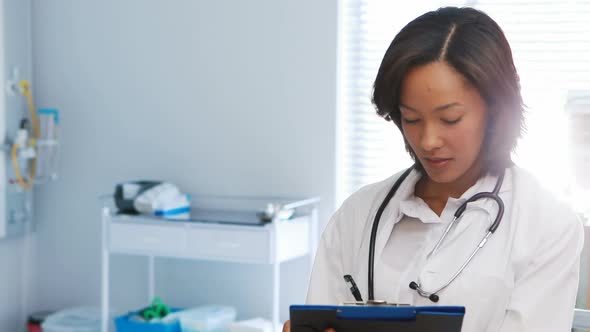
x=444 y=121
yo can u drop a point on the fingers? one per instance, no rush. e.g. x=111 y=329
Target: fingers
x=287 y=326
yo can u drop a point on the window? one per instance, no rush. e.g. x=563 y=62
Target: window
x=550 y=40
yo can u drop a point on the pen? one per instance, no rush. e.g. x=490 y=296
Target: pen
x=353 y=288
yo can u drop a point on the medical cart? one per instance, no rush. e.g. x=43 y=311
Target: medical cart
x=233 y=238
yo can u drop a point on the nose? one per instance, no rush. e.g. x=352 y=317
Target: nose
x=431 y=138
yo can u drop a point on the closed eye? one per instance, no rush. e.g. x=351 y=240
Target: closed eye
x=452 y=122
x=411 y=121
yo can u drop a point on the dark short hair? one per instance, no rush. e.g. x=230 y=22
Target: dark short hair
x=475 y=46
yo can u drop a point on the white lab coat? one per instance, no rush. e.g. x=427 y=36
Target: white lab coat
x=524 y=279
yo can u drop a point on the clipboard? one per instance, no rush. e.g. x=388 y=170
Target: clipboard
x=383 y=318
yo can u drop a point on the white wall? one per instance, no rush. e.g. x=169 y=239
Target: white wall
x=15 y=260
x=12 y=284
x=221 y=97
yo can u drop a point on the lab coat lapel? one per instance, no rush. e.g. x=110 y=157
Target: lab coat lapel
x=392 y=214
x=473 y=215
x=469 y=230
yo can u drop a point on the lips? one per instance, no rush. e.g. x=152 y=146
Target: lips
x=438 y=162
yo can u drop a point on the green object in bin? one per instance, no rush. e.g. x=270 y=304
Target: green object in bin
x=156 y=310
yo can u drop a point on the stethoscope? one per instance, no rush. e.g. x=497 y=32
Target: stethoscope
x=417 y=286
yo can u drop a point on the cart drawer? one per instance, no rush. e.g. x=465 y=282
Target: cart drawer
x=138 y=238
x=232 y=244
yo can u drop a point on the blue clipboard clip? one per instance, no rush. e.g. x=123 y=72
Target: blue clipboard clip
x=374 y=303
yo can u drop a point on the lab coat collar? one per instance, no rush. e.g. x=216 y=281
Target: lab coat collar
x=486 y=184
x=415 y=207
x=404 y=202
x=392 y=214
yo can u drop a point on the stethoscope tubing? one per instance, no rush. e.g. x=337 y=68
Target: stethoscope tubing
x=494 y=195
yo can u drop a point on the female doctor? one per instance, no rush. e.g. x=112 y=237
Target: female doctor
x=449 y=83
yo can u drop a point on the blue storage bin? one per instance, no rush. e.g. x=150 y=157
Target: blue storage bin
x=125 y=324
